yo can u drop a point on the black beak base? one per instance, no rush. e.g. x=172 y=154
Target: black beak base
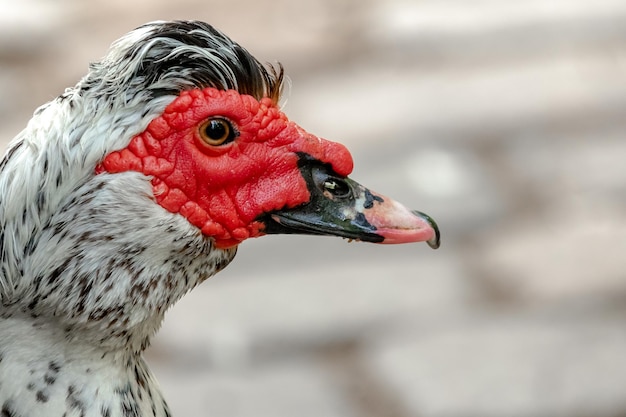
x=339 y=206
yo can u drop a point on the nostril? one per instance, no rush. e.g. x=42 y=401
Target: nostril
x=337 y=187
x=330 y=184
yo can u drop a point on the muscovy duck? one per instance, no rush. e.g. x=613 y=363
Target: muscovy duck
x=136 y=185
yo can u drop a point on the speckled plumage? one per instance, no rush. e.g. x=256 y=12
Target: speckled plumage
x=89 y=264
x=135 y=186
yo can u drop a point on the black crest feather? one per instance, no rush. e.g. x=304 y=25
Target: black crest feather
x=169 y=57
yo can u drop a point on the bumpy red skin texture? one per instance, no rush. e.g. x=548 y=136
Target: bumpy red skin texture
x=224 y=189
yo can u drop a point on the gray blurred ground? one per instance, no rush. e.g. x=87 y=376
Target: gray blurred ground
x=504 y=120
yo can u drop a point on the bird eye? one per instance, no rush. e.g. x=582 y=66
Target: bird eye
x=217 y=131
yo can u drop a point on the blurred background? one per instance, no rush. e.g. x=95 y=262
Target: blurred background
x=504 y=120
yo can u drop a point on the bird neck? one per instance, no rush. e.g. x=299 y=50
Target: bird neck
x=95 y=282
x=42 y=373
x=110 y=263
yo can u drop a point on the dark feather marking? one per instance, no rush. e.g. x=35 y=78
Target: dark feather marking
x=9 y=154
x=54 y=275
x=49 y=379
x=33 y=303
x=42 y=397
x=73 y=401
x=130 y=408
x=30 y=246
x=54 y=366
x=166 y=409
x=8 y=410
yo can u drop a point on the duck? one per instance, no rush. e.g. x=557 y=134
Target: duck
x=135 y=186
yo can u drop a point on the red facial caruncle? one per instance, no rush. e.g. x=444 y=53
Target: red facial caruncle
x=222 y=159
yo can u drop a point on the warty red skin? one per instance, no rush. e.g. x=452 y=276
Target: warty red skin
x=224 y=189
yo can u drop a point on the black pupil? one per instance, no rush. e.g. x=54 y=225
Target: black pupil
x=217 y=130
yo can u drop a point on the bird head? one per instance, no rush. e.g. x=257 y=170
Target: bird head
x=236 y=167
x=223 y=155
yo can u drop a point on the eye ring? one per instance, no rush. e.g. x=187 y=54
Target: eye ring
x=217 y=131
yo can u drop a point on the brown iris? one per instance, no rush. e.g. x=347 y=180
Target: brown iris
x=217 y=131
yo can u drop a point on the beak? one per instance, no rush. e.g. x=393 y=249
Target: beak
x=339 y=206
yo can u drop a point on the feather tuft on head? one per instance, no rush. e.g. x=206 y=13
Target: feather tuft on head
x=164 y=58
